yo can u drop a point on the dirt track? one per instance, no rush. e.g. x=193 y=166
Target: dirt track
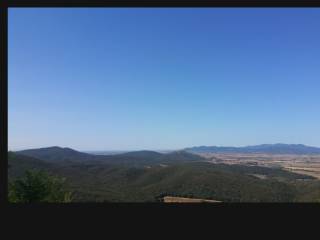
x=170 y=199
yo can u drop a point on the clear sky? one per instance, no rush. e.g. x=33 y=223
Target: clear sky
x=145 y=78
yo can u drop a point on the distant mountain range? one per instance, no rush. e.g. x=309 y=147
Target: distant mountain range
x=278 y=148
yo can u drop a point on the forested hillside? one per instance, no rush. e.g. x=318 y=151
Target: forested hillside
x=149 y=178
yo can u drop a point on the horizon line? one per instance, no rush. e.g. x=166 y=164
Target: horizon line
x=159 y=149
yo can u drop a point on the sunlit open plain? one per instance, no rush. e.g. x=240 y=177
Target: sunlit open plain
x=304 y=164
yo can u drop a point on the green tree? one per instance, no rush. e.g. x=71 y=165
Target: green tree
x=38 y=186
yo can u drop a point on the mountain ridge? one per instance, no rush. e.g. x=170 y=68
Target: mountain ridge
x=55 y=153
x=61 y=154
x=278 y=148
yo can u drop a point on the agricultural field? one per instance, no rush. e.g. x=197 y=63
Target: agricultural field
x=303 y=164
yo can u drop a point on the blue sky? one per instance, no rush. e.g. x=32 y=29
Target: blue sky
x=147 y=78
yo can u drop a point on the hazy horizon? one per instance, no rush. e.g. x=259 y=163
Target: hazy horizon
x=153 y=149
x=118 y=79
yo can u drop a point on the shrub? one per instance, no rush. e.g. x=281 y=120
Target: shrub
x=38 y=186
